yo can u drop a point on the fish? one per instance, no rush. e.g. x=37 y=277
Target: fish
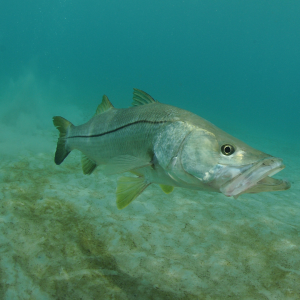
x=166 y=145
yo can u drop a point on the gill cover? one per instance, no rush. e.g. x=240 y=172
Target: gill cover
x=200 y=153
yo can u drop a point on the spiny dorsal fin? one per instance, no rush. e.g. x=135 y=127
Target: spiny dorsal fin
x=141 y=98
x=104 y=106
x=128 y=189
x=88 y=166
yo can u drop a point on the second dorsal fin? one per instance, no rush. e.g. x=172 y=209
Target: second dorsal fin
x=104 y=106
x=141 y=98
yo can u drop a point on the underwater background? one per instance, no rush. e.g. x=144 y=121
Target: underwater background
x=234 y=63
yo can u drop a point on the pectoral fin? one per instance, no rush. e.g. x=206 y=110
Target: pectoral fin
x=128 y=189
x=125 y=163
x=167 y=188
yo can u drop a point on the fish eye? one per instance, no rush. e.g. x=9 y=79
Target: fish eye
x=227 y=149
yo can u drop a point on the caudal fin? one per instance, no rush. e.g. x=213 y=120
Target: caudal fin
x=63 y=126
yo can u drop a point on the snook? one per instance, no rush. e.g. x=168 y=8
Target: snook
x=169 y=146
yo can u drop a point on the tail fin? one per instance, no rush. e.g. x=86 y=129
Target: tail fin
x=63 y=126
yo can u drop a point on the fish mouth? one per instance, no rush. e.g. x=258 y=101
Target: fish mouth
x=257 y=178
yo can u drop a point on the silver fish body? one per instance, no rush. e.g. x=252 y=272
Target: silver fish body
x=169 y=146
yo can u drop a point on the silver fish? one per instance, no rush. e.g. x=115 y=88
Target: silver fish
x=169 y=146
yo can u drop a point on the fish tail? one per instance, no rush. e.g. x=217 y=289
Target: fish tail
x=62 y=151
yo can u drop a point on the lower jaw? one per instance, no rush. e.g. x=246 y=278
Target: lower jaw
x=257 y=179
x=269 y=184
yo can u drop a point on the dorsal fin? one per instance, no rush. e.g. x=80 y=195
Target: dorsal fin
x=104 y=106
x=141 y=98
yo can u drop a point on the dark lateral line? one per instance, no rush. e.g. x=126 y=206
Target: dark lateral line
x=119 y=128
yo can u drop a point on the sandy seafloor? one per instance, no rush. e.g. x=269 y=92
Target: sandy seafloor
x=62 y=237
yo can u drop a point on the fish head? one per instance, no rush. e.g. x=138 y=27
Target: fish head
x=225 y=164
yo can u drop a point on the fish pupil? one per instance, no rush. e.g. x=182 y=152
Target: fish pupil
x=227 y=149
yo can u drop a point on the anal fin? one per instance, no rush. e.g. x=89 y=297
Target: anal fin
x=128 y=189
x=88 y=166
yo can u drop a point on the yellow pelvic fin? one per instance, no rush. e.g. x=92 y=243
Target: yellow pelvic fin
x=167 y=188
x=128 y=189
x=104 y=106
x=88 y=166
